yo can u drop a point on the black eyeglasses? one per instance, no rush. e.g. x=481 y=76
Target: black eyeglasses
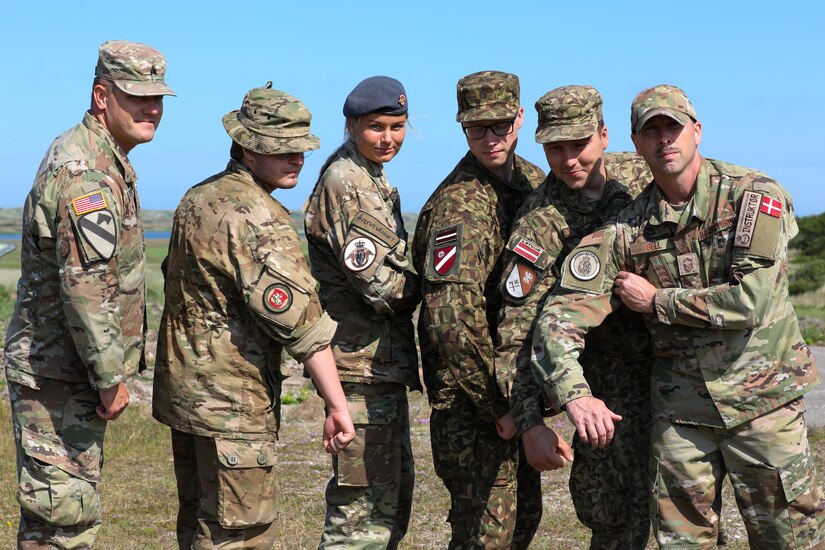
x=499 y=128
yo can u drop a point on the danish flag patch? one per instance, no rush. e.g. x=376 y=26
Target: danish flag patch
x=771 y=207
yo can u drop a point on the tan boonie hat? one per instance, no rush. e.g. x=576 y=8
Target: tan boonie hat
x=660 y=100
x=135 y=68
x=488 y=95
x=271 y=122
x=567 y=113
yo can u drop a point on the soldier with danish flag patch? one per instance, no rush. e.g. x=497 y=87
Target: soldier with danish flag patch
x=702 y=254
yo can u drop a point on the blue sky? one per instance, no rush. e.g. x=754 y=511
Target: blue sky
x=753 y=70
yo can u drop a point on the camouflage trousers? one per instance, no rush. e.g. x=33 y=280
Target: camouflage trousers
x=495 y=495
x=59 y=439
x=369 y=498
x=609 y=486
x=769 y=464
x=226 y=493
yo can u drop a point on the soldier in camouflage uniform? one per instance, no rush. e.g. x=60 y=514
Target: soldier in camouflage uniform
x=585 y=188
x=703 y=252
x=358 y=250
x=238 y=293
x=77 y=332
x=457 y=249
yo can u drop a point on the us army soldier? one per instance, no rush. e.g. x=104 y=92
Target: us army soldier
x=77 y=332
x=585 y=188
x=703 y=253
x=460 y=237
x=238 y=292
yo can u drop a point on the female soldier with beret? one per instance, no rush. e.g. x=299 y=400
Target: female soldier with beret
x=358 y=250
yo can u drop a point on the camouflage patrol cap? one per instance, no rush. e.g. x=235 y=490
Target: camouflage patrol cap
x=488 y=95
x=271 y=122
x=568 y=112
x=135 y=68
x=660 y=100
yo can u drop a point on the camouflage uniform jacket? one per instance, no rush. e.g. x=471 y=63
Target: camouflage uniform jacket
x=549 y=225
x=458 y=246
x=81 y=300
x=238 y=291
x=358 y=251
x=726 y=340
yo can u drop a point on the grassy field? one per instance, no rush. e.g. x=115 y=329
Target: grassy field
x=138 y=491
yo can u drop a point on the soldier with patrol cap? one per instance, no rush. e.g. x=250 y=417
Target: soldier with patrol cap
x=702 y=252
x=77 y=332
x=358 y=250
x=238 y=292
x=585 y=188
x=458 y=246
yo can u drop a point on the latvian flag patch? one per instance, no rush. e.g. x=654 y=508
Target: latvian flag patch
x=529 y=251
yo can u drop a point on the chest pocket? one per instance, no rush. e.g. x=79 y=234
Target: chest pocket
x=655 y=260
x=717 y=248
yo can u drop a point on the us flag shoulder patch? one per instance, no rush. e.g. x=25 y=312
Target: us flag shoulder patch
x=89 y=203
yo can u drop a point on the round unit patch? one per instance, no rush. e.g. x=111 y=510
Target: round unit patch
x=359 y=254
x=585 y=265
x=277 y=298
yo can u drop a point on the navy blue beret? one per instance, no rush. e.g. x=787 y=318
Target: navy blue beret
x=376 y=94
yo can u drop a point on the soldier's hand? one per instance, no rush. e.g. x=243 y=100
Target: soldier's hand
x=505 y=426
x=593 y=420
x=113 y=401
x=338 y=431
x=544 y=449
x=636 y=292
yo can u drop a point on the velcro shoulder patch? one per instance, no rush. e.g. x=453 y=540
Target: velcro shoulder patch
x=373 y=227
x=93 y=215
x=529 y=251
x=585 y=268
x=444 y=253
x=279 y=299
x=759 y=224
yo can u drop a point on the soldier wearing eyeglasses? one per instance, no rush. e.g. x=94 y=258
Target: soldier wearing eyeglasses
x=459 y=240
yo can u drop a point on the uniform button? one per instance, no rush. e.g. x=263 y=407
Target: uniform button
x=261 y=459
x=232 y=459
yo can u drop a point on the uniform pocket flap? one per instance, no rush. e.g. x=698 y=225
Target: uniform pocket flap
x=237 y=453
x=84 y=464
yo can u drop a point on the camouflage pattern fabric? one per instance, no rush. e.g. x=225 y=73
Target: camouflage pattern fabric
x=238 y=291
x=726 y=340
x=369 y=289
x=81 y=297
x=137 y=69
x=369 y=498
x=495 y=495
x=271 y=122
x=59 y=441
x=226 y=492
x=358 y=250
x=770 y=467
x=81 y=306
x=660 y=100
x=568 y=113
x=457 y=248
x=609 y=486
x=487 y=95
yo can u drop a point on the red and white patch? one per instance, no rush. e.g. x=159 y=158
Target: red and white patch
x=446 y=235
x=528 y=250
x=771 y=207
x=520 y=281
x=444 y=259
x=277 y=298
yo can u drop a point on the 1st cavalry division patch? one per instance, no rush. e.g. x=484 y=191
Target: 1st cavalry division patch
x=99 y=230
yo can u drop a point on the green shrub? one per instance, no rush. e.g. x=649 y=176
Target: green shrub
x=810 y=276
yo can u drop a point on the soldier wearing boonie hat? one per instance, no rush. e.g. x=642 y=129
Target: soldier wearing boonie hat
x=236 y=260
x=358 y=251
x=81 y=301
x=702 y=252
x=585 y=189
x=460 y=236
